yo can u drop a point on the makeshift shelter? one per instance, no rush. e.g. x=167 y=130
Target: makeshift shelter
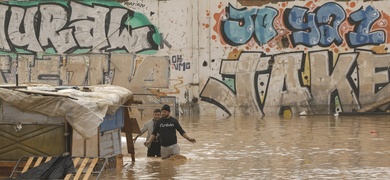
x=42 y=120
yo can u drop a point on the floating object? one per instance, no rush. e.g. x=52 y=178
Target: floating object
x=303 y=113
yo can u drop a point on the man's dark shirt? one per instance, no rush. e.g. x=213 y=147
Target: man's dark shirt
x=166 y=128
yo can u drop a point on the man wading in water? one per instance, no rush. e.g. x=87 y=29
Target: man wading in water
x=166 y=128
x=154 y=147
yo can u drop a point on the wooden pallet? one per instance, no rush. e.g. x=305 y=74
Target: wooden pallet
x=85 y=167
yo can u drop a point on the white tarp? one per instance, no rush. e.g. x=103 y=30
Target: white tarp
x=84 y=111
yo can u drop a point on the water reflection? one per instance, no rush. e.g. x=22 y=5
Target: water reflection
x=246 y=147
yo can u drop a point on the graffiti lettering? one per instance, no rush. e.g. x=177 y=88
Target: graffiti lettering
x=91 y=69
x=178 y=64
x=308 y=34
x=316 y=29
x=56 y=28
x=364 y=19
x=320 y=27
x=240 y=26
x=332 y=89
x=136 y=4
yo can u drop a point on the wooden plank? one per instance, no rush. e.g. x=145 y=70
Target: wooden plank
x=130 y=127
x=38 y=162
x=130 y=124
x=30 y=159
x=81 y=168
x=87 y=163
x=90 y=168
x=374 y=105
x=67 y=177
x=76 y=161
x=7 y=164
x=48 y=159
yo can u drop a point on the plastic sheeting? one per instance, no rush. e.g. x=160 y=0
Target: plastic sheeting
x=57 y=168
x=84 y=111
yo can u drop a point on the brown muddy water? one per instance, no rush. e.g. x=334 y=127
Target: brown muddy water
x=247 y=147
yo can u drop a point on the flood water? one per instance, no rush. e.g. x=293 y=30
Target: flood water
x=247 y=147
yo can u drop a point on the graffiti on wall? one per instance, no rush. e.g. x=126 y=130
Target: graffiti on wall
x=178 y=64
x=264 y=84
x=91 y=69
x=312 y=25
x=74 y=27
x=342 y=78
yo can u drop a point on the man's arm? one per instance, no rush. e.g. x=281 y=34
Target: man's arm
x=188 y=138
x=143 y=130
x=182 y=132
x=152 y=136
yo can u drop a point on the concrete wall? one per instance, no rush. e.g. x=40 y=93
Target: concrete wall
x=206 y=57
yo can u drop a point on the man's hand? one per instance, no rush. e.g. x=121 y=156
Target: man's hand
x=146 y=143
x=135 y=138
x=191 y=140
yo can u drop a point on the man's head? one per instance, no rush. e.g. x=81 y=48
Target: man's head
x=157 y=114
x=165 y=110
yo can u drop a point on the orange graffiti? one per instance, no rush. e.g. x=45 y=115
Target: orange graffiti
x=352 y=4
x=380 y=49
x=383 y=24
x=220 y=5
x=217 y=27
x=308 y=4
x=311 y=5
x=157 y=92
x=177 y=91
x=234 y=54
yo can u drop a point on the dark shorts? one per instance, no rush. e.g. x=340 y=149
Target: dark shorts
x=154 y=149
